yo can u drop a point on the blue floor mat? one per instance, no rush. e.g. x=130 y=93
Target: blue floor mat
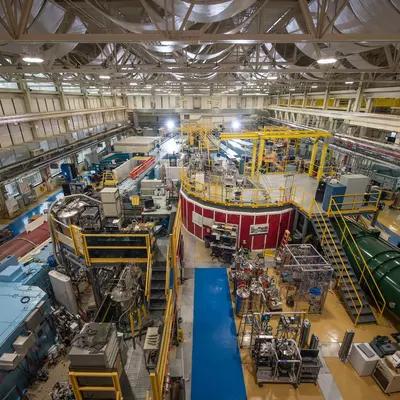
x=216 y=365
x=18 y=225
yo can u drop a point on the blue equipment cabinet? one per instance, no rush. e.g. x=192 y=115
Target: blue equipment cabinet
x=333 y=189
x=26 y=330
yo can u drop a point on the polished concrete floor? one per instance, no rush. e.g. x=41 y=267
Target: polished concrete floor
x=337 y=380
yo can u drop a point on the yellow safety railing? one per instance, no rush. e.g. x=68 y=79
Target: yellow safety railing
x=77 y=389
x=365 y=275
x=328 y=240
x=149 y=272
x=157 y=378
x=91 y=259
x=354 y=203
x=175 y=239
x=215 y=192
x=168 y=269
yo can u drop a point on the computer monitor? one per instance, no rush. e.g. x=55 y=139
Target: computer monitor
x=149 y=204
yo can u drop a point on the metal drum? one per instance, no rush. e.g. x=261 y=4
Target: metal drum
x=242 y=300
x=256 y=291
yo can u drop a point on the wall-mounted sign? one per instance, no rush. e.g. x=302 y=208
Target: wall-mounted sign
x=259 y=229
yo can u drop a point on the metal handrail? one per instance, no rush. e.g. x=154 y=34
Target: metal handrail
x=149 y=272
x=168 y=269
x=336 y=254
x=356 y=202
x=364 y=269
x=157 y=378
x=258 y=197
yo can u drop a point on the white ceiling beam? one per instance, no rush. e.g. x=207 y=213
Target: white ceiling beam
x=197 y=37
x=199 y=69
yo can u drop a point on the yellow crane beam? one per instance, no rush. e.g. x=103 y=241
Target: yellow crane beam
x=276 y=134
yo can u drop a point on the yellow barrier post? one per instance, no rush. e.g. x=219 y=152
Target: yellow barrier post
x=261 y=149
x=253 y=158
x=322 y=161
x=313 y=158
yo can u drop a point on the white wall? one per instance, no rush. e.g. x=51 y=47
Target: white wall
x=14 y=103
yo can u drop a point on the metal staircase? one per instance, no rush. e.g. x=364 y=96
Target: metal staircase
x=157 y=294
x=350 y=291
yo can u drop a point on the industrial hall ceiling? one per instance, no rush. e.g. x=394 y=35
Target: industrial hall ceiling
x=264 y=46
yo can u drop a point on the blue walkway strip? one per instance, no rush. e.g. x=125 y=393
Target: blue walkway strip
x=217 y=369
x=18 y=225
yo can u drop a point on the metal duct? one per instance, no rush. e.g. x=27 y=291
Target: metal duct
x=206 y=13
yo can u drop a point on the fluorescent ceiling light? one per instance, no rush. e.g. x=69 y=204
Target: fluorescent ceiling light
x=349 y=82
x=33 y=60
x=272 y=78
x=170 y=124
x=314 y=86
x=104 y=76
x=133 y=83
x=236 y=125
x=292 y=89
x=327 y=60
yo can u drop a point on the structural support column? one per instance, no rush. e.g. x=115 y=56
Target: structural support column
x=313 y=158
x=64 y=107
x=357 y=101
x=369 y=104
x=28 y=105
x=322 y=160
x=326 y=99
x=260 y=157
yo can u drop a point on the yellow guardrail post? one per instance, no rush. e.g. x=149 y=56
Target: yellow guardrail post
x=260 y=153
x=322 y=160
x=313 y=158
x=253 y=158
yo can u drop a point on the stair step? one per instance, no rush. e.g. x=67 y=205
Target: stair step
x=350 y=296
x=158 y=276
x=367 y=319
x=349 y=288
x=157 y=296
x=157 y=285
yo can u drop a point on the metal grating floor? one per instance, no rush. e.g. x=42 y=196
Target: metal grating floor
x=136 y=371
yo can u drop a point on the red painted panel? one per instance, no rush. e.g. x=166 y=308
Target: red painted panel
x=198 y=209
x=233 y=219
x=198 y=231
x=284 y=224
x=208 y=213
x=273 y=222
x=258 y=242
x=244 y=236
x=261 y=219
x=190 y=224
x=219 y=216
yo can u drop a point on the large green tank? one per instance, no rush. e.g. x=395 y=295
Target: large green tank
x=383 y=261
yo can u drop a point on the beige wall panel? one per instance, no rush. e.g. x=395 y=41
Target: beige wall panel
x=42 y=104
x=19 y=105
x=55 y=127
x=7 y=106
x=57 y=104
x=49 y=104
x=16 y=135
x=26 y=132
x=47 y=128
x=5 y=138
x=34 y=104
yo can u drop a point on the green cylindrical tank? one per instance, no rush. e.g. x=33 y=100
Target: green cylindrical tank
x=383 y=261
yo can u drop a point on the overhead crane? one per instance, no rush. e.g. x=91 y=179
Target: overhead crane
x=276 y=133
